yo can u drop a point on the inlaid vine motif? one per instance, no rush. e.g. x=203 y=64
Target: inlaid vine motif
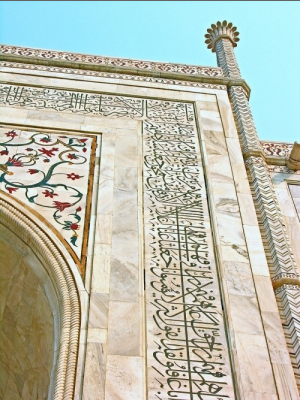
x=49 y=173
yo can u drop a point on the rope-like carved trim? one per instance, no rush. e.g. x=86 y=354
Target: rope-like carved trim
x=226 y=58
x=49 y=255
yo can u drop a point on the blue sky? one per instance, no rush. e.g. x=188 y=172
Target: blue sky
x=174 y=31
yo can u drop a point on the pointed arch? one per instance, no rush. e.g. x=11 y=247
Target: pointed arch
x=45 y=249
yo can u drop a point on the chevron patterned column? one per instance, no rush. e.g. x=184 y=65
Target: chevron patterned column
x=222 y=38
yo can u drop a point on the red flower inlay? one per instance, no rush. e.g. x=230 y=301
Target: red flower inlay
x=33 y=171
x=84 y=149
x=78 y=209
x=4 y=153
x=28 y=149
x=74 y=226
x=61 y=206
x=45 y=140
x=11 y=189
x=47 y=193
x=12 y=162
x=11 y=134
x=73 y=176
x=82 y=140
x=47 y=152
x=72 y=156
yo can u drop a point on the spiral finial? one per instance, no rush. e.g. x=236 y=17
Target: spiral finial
x=220 y=30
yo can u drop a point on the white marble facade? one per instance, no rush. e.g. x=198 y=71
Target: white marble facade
x=175 y=289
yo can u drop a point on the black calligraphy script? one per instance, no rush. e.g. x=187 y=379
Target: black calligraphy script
x=187 y=357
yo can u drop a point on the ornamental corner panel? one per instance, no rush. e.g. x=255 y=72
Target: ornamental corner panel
x=50 y=174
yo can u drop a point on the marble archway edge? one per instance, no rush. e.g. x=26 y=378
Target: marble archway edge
x=48 y=253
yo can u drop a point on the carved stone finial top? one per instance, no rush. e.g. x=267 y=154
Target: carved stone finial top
x=221 y=30
x=294 y=159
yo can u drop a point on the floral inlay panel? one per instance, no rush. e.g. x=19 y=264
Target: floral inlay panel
x=49 y=173
x=276 y=149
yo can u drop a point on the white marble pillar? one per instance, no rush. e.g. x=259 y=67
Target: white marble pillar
x=222 y=38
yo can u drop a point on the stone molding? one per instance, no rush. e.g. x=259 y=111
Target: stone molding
x=58 y=269
x=285 y=279
x=110 y=61
x=282 y=169
x=11 y=54
x=111 y=75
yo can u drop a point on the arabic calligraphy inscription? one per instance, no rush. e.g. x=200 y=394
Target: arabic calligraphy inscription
x=186 y=354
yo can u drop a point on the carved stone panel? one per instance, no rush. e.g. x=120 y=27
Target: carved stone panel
x=187 y=353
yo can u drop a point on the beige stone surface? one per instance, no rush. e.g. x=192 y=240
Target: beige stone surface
x=242 y=262
x=94 y=376
x=27 y=329
x=124 y=378
x=124 y=329
x=287 y=189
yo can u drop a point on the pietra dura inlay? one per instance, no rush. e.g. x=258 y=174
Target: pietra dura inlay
x=49 y=173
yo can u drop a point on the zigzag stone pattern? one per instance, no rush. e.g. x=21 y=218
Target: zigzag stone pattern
x=276 y=243
x=244 y=120
x=226 y=58
x=288 y=300
x=279 y=255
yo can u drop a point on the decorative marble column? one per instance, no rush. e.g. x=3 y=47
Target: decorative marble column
x=221 y=39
